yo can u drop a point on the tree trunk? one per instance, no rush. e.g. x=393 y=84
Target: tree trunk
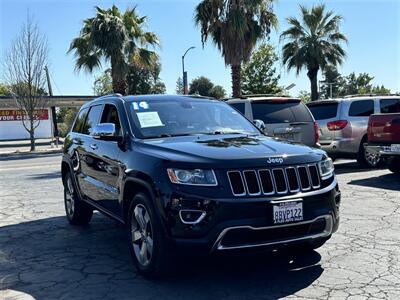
x=119 y=84
x=32 y=135
x=236 y=81
x=313 y=76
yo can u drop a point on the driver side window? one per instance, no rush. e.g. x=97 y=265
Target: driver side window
x=110 y=115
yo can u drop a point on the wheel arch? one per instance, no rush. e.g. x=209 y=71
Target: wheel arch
x=141 y=183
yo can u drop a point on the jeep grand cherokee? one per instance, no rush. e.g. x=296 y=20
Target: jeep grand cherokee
x=189 y=172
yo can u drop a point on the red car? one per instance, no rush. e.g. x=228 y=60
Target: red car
x=384 y=138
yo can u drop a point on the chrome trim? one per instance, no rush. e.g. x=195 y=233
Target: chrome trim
x=326 y=232
x=247 y=186
x=202 y=216
x=272 y=181
x=297 y=178
x=306 y=194
x=230 y=183
x=308 y=176
x=284 y=177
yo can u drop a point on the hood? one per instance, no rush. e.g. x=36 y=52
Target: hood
x=237 y=149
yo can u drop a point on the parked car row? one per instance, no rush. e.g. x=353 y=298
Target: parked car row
x=338 y=126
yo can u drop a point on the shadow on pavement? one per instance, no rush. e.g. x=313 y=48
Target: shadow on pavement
x=44 y=176
x=50 y=259
x=350 y=167
x=388 y=182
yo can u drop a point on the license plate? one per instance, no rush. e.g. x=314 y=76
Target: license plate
x=287 y=212
x=395 y=147
x=286 y=136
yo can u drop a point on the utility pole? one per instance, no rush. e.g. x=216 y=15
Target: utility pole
x=53 y=108
x=185 y=83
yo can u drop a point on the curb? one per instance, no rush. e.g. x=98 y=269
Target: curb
x=28 y=154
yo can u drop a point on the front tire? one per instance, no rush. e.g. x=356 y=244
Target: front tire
x=77 y=211
x=148 y=246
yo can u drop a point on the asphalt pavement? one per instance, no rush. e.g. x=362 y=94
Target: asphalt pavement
x=43 y=257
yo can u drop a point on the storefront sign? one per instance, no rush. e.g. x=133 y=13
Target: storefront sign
x=18 y=115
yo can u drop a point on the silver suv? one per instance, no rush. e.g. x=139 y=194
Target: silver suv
x=343 y=124
x=281 y=117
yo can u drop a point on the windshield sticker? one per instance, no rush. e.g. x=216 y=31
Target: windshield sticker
x=149 y=119
x=140 y=105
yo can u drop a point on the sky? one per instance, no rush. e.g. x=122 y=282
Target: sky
x=372 y=28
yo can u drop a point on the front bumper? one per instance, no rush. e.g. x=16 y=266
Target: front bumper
x=383 y=150
x=230 y=225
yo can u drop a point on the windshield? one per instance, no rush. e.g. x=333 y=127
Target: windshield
x=169 y=117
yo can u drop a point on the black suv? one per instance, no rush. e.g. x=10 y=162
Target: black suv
x=185 y=171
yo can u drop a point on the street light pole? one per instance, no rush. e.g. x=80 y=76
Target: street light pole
x=184 y=73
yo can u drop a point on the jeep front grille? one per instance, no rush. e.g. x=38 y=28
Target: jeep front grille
x=274 y=181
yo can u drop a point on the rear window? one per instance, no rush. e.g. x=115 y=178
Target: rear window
x=390 y=106
x=281 y=112
x=238 y=106
x=362 y=108
x=323 y=111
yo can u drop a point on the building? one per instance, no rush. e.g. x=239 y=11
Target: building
x=11 y=118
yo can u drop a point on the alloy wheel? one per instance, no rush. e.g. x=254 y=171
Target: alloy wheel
x=69 y=197
x=142 y=235
x=371 y=158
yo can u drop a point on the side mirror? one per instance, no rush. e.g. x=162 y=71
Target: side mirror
x=104 y=131
x=259 y=124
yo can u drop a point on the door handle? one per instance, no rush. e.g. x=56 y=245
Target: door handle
x=93 y=146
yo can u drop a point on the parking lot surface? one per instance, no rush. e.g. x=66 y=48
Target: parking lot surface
x=43 y=257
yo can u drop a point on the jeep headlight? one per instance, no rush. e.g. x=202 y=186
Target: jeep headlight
x=192 y=177
x=326 y=168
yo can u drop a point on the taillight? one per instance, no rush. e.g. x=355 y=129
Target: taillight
x=337 y=125
x=316 y=132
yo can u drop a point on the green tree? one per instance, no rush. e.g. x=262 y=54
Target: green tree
x=313 y=42
x=217 y=92
x=235 y=26
x=118 y=38
x=201 y=86
x=259 y=74
x=145 y=79
x=333 y=81
x=354 y=84
x=204 y=87
x=65 y=117
x=4 y=90
x=305 y=96
x=103 y=84
x=179 y=86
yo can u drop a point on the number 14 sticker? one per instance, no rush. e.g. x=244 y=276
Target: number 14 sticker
x=140 y=105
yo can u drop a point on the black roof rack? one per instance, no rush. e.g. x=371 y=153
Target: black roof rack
x=369 y=95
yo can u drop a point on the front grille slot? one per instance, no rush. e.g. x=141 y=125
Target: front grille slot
x=286 y=180
x=252 y=184
x=236 y=181
x=314 y=176
x=280 y=181
x=304 y=180
x=266 y=182
x=293 y=180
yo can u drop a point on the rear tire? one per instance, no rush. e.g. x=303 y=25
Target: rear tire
x=366 y=159
x=77 y=211
x=151 y=252
x=394 y=165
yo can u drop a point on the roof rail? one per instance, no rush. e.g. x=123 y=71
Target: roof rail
x=265 y=95
x=110 y=95
x=369 y=95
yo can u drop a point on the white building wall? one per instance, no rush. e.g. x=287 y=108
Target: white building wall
x=14 y=130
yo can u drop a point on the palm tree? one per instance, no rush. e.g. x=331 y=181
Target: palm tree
x=116 y=38
x=235 y=26
x=313 y=43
